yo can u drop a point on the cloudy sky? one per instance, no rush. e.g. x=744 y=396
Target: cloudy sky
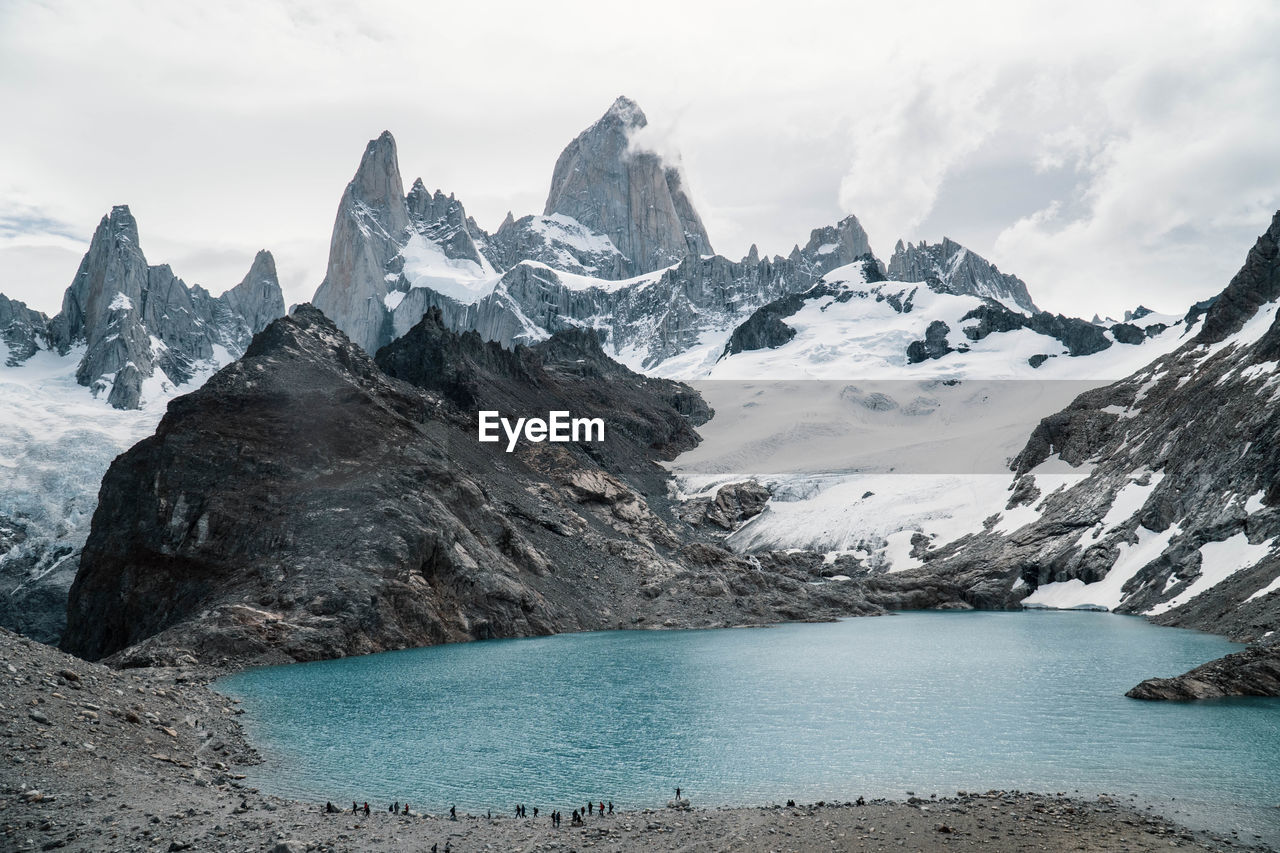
x=1109 y=153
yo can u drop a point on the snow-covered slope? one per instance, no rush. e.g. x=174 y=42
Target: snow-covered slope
x=884 y=413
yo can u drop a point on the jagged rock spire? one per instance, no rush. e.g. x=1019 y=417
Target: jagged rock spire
x=635 y=198
x=258 y=298
x=369 y=231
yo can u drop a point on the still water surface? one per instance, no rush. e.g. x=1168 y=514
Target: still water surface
x=923 y=702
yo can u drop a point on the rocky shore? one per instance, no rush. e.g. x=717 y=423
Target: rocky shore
x=93 y=758
x=1252 y=672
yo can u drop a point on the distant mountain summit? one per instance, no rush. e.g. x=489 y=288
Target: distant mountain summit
x=951 y=268
x=605 y=181
x=139 y=323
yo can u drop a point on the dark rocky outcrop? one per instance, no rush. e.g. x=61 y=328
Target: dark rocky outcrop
x=1252 y=672
x=1078 y=336
x=934 y=344
x=304 y=504
x=951 y=268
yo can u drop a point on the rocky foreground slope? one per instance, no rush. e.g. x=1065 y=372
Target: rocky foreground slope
x=308 y=503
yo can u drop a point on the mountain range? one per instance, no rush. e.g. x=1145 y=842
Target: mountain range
x=1131 y=458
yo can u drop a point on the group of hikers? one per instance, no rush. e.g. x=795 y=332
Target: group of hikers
x=578 y=818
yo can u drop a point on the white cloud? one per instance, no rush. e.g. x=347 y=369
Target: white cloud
x=231 y=127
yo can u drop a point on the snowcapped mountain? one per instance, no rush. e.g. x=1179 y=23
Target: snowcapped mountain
x=78 y=389
x=618 y=248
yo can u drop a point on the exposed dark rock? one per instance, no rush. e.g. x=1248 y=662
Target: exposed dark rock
x=305 y=504
x=934 y=344
x=735 y=503
x=1079 y=337
x=1127 y=333
x=1257 y=283
x=1252 y=672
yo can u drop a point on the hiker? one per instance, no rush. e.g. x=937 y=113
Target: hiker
x=611 y=807
x=677 y=793
x=861 y=802
x=535 y=811
x=366 y=809
x=602 y=808
x=406 y=810
x=589 y=808
x=453 y=815
x=355 y=807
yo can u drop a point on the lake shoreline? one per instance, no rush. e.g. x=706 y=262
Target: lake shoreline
x=102 y=759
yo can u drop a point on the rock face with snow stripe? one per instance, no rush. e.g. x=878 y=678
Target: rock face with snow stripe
x=951 y=268
x=1177 y=516
x=605 y=181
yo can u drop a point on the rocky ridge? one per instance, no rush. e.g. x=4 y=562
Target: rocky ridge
x=619 y=247
x=951 y=268
x=215 y=537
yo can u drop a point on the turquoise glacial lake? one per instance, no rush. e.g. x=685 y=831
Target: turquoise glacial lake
x=922 y=702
